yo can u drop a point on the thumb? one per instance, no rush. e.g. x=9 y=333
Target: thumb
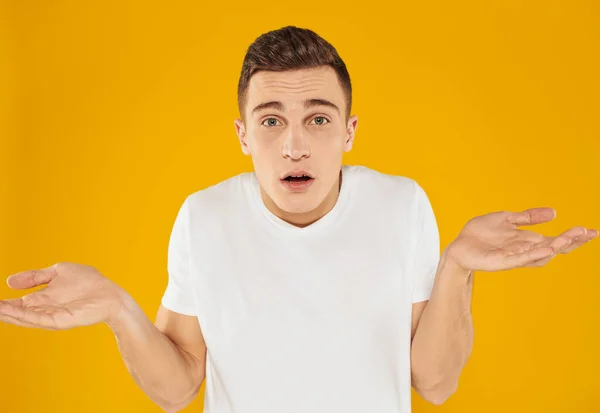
x=29 y=279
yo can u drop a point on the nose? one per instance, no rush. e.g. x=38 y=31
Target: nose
x=295 y=143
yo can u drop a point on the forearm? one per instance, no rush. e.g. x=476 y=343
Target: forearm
x=165 y=372
x=443 y=340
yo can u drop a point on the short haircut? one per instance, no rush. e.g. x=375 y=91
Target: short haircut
x=291 y=48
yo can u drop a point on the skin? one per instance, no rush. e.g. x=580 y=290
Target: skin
x=311 y=138
x=443 y=330
x=167 y=358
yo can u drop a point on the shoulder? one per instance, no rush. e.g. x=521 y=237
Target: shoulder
x=219 y=196
x=375 y=182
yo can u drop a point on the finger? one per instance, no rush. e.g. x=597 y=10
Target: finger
x=558 y=248
x=561 y=240
x=17 y=302
x=27 y=315
x=564 y=239
x=539 y=263
x=532 y=216
x=580 y=240
x=30 y=279
x=527 y=257
x=565 y=243
x=34 y=299
x=10 y=320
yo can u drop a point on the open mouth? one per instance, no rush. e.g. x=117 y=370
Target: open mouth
x=297 y=181
x=301 y=178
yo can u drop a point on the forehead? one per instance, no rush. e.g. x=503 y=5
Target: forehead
x=294 y=86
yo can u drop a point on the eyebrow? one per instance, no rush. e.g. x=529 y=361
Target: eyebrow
x=309 y=103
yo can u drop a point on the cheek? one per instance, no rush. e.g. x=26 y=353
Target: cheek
x=264 y=141
x=266 y=150
x=328 y=142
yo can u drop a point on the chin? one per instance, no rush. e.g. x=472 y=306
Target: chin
x=297 y=206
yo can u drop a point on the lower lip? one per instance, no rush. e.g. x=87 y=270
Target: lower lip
x=297 y=186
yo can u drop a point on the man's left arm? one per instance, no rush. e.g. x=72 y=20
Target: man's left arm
x=443 y=339
x=442 y=333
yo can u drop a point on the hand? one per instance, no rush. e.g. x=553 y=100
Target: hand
x=493 y=242
x=75 y=295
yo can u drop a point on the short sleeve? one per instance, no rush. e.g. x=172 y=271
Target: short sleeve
x=178 y=296
x=427 y=247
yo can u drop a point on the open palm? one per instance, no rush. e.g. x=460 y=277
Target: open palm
x=75 y=295
x=493 y=242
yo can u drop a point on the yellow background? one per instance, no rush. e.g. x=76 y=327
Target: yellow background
x=112 y=112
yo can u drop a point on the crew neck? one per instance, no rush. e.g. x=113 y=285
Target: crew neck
x=279 y=225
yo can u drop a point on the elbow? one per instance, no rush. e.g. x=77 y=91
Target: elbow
x=174 y=406
x=170 y=409
x=439 y=394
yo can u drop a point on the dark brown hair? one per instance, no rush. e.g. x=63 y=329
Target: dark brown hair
x=291 y=48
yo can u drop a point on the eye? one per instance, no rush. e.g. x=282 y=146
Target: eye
x=270 y=122
x=320 y=120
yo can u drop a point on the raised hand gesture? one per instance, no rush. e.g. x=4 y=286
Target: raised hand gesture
x=494 y=242
x=75 y=295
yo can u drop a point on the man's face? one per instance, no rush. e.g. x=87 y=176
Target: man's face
x=296 y=121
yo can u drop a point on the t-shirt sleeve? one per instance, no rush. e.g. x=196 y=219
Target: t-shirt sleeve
x=178 y=296
x=427 y=248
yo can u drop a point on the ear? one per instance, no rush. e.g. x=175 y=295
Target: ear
x=240 y=130
x=350 y=132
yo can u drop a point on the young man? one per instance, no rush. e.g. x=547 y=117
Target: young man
x=306 y=285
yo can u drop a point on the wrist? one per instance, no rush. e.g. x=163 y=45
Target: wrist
x=120 y=310
x=453 y=266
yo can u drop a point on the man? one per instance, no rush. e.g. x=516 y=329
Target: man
x=306 y=285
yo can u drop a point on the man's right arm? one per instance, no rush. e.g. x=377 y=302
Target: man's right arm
x=166 y=359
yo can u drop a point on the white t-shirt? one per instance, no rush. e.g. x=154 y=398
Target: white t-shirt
x=305 y=320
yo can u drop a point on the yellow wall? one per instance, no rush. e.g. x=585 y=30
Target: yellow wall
x=117 y=110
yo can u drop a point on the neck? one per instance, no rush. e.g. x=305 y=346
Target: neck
x=304 y=219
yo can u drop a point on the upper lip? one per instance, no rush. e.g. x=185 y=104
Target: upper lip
x=297 y=172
